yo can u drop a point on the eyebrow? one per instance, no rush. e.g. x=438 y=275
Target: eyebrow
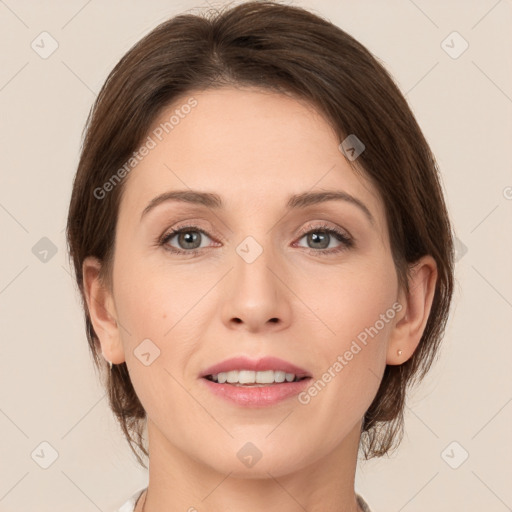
x=296 y=201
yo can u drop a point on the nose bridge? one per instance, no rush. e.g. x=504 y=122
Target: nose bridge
x=255 y=296
x=253 y=276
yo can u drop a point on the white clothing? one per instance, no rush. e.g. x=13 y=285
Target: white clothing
x=129 y=505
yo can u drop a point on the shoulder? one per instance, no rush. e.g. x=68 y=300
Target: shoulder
x=129 y=504
x=364 y=506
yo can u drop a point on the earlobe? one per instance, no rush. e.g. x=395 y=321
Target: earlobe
x=410 y=325
x=102 y=311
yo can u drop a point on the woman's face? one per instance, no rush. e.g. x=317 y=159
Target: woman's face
x=256 y=277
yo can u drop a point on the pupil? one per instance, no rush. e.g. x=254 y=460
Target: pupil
x=189 y=237
x=315 y=238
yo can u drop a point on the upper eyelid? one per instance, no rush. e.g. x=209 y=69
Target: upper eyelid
x=193 y=225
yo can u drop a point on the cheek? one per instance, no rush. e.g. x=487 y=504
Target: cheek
x=358 y=310
x=155 y=305
x=145 y=295
x=162 y=304
x=356 y=298
x=139 y=303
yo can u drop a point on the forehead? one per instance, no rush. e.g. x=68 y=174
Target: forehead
x=252 y=147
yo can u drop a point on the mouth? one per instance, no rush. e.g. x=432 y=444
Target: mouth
x=249 y=378
x=255 y=383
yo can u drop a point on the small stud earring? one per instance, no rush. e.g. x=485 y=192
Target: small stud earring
x=110 y=364
x=399 y=352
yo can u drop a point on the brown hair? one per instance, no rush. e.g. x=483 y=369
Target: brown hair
x=289 y=50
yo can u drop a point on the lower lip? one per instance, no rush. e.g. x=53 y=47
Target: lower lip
x=257 y=396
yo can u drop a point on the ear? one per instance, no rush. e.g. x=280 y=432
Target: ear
x=411 y=321
x=100 y=303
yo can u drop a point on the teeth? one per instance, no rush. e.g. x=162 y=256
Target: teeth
x=252 y=377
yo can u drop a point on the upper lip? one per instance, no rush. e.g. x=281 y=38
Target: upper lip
x=262 y=364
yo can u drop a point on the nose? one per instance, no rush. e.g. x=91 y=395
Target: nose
x=256 y=298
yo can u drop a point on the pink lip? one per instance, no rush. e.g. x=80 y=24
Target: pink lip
x=256 y=396
x=265 y=363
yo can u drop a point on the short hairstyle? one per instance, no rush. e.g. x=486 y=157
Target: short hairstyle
x=289 y=50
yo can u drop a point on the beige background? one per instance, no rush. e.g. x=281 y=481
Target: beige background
x=49 y=391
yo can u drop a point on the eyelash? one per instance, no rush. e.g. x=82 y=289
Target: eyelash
x=347 y=242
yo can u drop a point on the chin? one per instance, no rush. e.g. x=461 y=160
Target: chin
x=241 y=466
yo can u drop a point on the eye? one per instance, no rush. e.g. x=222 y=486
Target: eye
x=320 y=240
x=188 y=238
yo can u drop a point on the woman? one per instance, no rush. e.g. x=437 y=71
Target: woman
x=265 y=259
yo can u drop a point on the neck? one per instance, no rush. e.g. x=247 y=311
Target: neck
x=180 y=482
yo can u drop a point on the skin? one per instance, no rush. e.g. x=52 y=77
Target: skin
x=254 y=148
